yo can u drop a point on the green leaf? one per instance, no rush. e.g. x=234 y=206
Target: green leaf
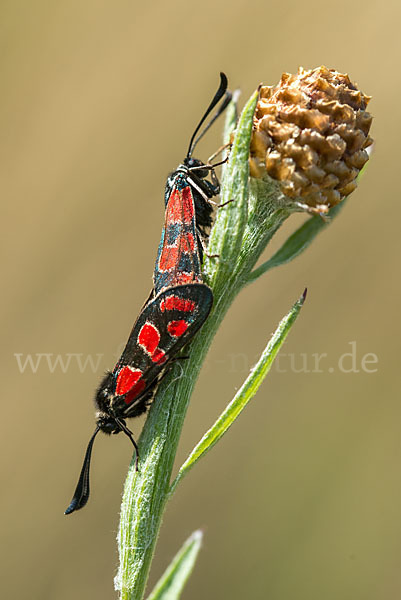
x=296 y=243
x=244 y=395
x=173 y=580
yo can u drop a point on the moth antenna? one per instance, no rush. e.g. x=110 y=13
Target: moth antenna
x=218 y=95
x=222 y=108
x=81 y=494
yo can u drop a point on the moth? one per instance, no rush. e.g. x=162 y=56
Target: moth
x=178 y=306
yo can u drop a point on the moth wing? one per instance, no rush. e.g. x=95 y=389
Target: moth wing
x=164 y=326
x=183 y=310
x=178 y=259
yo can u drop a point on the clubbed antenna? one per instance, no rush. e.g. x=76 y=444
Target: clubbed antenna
x=217 y=97
x=81 y=494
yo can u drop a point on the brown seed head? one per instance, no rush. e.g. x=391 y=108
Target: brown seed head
x=310 y=133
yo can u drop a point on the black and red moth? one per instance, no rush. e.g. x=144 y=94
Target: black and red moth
x=179 y=306
x=188 y=209
x=164 y=326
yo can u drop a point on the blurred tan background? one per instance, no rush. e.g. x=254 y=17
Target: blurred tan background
x=302 y=499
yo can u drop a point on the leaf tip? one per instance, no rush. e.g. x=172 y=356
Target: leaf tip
x=197 y=536
x=302 y=299
x=236 y=95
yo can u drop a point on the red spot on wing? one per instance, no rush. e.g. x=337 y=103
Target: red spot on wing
x=159 y=356
x=187 y=243
x=170 y=255
x=187 y=205
x=135 y=392
x=176 y=303
x=149 y=337
x=180 y=207
x=177 y=328
x=168 y=258
x=131 y=383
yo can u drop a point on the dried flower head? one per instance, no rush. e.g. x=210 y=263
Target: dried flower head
x=310 y=133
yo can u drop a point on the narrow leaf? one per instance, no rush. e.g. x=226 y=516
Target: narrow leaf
x=296 y=243
x=244 y=395
x=173 y=580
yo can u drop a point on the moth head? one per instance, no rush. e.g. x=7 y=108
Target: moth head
x=194 y=163
x=106 y=422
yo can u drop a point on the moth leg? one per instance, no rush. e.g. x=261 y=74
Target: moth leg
x=203 y=248
x=179 y=358
x=225 y=203
x=129 y=433
x=219 y=151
